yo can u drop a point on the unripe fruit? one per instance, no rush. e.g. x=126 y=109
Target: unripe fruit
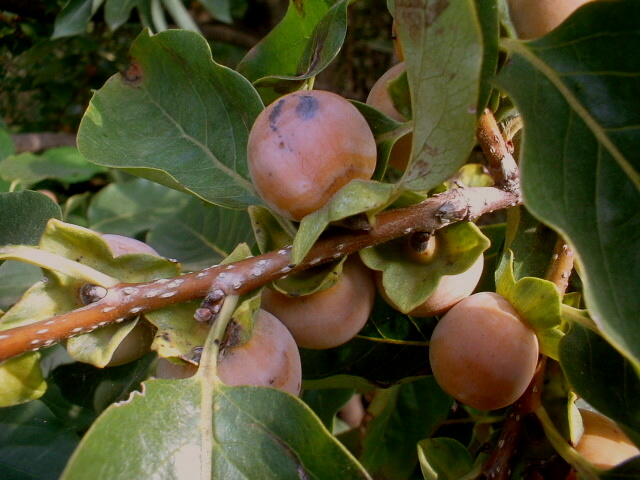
x=304 y=147
x=269 y=358
x=138 y=341
x=535 y=18
x=482 y=353
x=603 y=443
x=330 y=317
x=380 y=99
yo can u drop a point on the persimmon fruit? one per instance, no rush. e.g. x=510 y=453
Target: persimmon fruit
x=379 y=98
x=536 y=18
x=603 y=443
x=304 y=147
x=482 y=353
x=330 y=317
x=270 y=358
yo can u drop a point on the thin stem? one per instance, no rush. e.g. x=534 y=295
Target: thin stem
x=502 y=165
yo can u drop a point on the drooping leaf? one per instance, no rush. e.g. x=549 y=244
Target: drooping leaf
x=488 y=16
x=130 y=208
x=413 y=411
x=175 y=117
x=24 y=216
x=220 y=9
x=580 y=168
x=298 y=48
x=603 y=377
x=442 y=43
x=34 y=444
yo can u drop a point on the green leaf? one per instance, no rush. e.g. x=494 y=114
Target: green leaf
x=488 y=16
x=412 y=411
x=200 y=235
x=530 y=242
x=177 y=118
x=34 y=444
x=74 y=17
x=409 y=283
x=358 y=196
x=603 y=377
x=327 y=402
x=130 y=208
x=219 y=9
x=442 y=44
x=580 y=166
x=444 y=459
x=165 y=422
x=538 y=302
x=298 y=48
x=21 y=380
x=15 y=278
x=64 y=164
x=24 y=216
x=117 y=12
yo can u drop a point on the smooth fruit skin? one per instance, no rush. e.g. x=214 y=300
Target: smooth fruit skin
x=536 y=18
x=482 y=353
x=603 y=443
x=379 y=98
x=331 y=317
x=304 y=147
x=269 y=358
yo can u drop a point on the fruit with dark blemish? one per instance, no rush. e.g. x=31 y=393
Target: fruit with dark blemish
x=379 y=98
x=304 y=147
x=330 y=317
x=482 y=353
x=269 y=358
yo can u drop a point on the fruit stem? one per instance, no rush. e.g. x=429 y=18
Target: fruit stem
x=561 y=265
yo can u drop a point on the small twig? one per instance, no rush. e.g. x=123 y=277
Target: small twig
x=502 y=165
x=128 y=300
x=561 y=265
x=36 y=142
x=498 y=465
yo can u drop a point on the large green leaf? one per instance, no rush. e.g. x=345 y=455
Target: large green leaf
x=412 y=412
x=24 y=216
x=174 y=428
x=298 y=48
x=442 y=44
x=577 y=91
x=34 y=444
x=175 y=117
x=130 y=208
x=200 y=235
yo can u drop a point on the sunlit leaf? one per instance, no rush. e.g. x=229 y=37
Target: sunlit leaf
x=21 y=380
x=177 y=118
